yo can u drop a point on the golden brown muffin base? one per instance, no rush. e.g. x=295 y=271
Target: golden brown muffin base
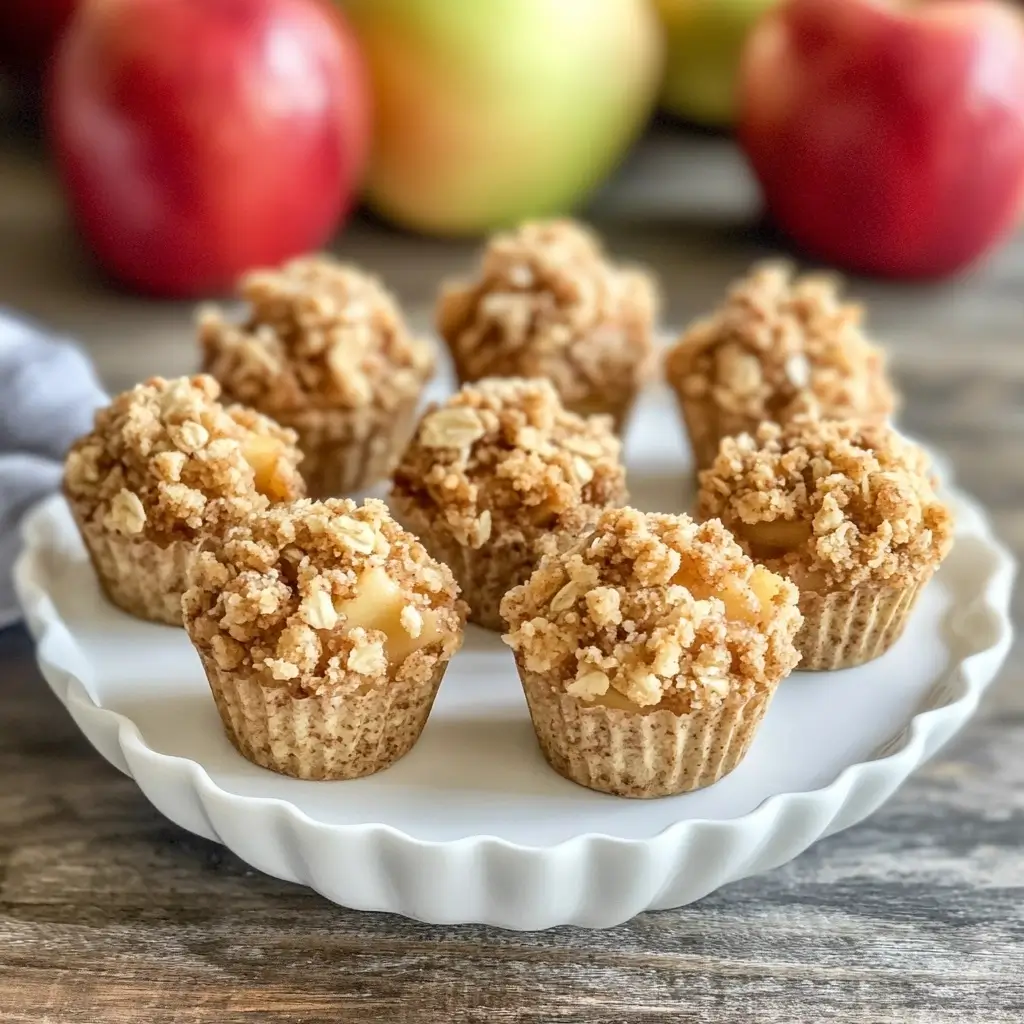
x=139 y=576
x=325 y=736
x=635 y=755
x=346 y=450
x=849 y=628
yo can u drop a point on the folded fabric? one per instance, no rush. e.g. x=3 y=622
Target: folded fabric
x=48 y=394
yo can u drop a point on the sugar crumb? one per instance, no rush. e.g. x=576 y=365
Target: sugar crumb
x=546 y=302
x=468 y=461
x=166 y=460
x=781 y=345
x=830 y=503
x=319 y=334
x=670 y=613
x=277 y=598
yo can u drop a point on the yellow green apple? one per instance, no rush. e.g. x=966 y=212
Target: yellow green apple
x=705 y=40
x=490 y=111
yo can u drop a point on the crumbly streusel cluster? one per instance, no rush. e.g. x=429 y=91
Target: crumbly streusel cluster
x=547 y=303
x=284 y=597
x=859 y=498
x=665 y=611
x=780 y=346
x=166 y=460
x=319 y=334
x=506 y=451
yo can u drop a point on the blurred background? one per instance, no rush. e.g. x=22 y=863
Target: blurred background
x=152 y=150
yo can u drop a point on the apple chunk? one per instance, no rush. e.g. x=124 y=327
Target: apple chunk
x=264 y=455
x=378 y=604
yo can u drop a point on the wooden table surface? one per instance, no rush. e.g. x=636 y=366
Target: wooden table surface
x=110 y=913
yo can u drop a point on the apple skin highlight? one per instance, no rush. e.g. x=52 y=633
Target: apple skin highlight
x=199 y=138
x=888 y=139
x=488 y=113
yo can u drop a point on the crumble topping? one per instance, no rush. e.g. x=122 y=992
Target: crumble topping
x=505 y=452
x=166 y=460
x=779 y=346
x=830 y=503
x=319 y=334
x=547 y=303
x=658 y=610
x=323 y=597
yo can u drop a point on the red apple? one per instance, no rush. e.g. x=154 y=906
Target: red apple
x=29 y=30
x=198 y=138
x=888 y=135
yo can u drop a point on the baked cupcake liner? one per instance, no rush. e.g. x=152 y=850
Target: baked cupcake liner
x=326 y=736
x=484 y=574
x=849 y=628
x=141 y=577
x=348 y=450
x=619 y=408
x=705 y=427
x=641 y=756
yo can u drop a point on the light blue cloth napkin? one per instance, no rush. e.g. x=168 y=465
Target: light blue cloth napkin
x=48 y=394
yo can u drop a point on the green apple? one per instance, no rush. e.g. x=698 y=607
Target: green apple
x=490 y=111
x=705 y=41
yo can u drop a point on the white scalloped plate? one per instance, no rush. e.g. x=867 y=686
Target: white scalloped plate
x=472 y=826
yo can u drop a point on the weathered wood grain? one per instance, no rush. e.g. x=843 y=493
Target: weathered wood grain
x=109 y=913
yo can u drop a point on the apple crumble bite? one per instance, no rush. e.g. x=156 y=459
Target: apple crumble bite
x=325 y=351
x=325 y=630
x=497 y=476
x=547 y=303
x=164 y=464
x=778 y=347
x=649 y=651
x=848 y=512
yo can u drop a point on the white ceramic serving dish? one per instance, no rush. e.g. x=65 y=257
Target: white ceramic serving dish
x=472 y=826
